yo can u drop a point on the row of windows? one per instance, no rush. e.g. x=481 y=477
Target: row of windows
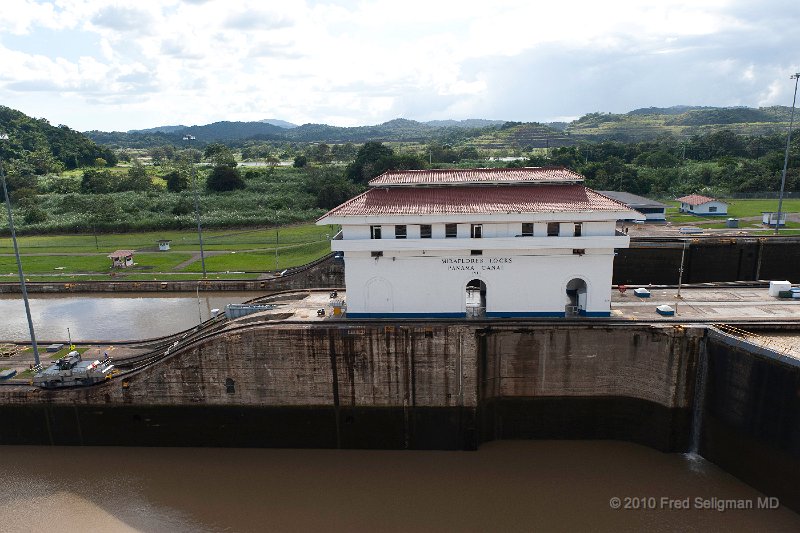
x=476 y=230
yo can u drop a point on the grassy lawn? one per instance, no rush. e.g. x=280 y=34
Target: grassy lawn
x=64 y=351
x=753 y=208
x=49 y=263
x=736 y=209
x=229 y=239
x=289 y=256
x=68 y=264
x=247 y=250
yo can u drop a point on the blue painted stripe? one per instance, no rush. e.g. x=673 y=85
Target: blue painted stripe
x=406 y=315
x=491 y=314
x=596 y=314
x=524 y=314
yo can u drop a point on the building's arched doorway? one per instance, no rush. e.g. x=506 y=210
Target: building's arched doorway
x=576 y=297
x=379 y=296
x=476 y=298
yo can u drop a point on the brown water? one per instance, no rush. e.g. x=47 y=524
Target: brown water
x=505 y=486
x=110 y=317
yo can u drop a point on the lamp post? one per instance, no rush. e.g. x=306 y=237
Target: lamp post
x=189 y=139
x=277 y=240
x=4 y=137
x=794 y=77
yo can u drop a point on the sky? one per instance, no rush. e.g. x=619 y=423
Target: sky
x=115 y=66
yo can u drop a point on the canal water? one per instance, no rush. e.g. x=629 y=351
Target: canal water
x=505 y=486
x=109 y=317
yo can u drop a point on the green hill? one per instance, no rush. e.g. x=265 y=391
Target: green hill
x=42 y=148
x=637 y=125
x=681 y=121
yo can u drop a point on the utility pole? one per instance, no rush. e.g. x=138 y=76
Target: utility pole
x=189 y=139
x=794 y=77
x=277 y=240
x=4 y=137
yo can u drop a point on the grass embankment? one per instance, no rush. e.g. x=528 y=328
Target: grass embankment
x=230 y=254
x=741 y=209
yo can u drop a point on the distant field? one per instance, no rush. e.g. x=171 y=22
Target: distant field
x=736 y=209
x=183 y=240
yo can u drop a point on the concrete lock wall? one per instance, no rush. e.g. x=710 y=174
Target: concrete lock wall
x=751 y=416
x=708 y=260
x=635 y=383
x=382 y=386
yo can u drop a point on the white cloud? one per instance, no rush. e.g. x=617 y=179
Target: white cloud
x=178 y=61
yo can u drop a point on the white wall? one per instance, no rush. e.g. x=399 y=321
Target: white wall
x=656 y=216
x=490 y=230
x=722 y=208
x=517 y=285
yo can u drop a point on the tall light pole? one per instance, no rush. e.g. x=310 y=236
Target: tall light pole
x=189 y=139
x=4 y=137
x=794 y=77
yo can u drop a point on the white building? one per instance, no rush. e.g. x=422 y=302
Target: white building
x=696 y=204
x=770 y=218
x=522 y=242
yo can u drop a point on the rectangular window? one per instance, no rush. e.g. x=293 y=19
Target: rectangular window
x=580 y=251
x=375 y=232
x=553 y=229
x=477 y=231
x=425 y=231
x=476 y=252
x=400 y=232
x=376 y=254
x=578 y=229
x=712 y=209
x=451 y=231
x=527 y=229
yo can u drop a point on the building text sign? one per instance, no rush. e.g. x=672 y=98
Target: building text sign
x=476 y=264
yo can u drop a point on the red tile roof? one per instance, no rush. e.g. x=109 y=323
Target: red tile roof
x=475 y=200
x=696 y=199
x=120 y=254
x=476 y=175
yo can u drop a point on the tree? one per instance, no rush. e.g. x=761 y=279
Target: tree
x=136 y=178
x=321 y=153
x=370 y=162
x=97 y=181
x=224 y=178
x=177 y=181
x=374 y=158
x=300 y=161
x=220 y=155
x=329 y=187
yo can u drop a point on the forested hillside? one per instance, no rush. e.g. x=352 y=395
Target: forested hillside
x=36 y=147
x=634 y=126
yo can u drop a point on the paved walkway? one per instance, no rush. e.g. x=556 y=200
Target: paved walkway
x=714 y=305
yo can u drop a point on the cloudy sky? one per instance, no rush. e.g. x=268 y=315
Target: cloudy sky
x=119 y=65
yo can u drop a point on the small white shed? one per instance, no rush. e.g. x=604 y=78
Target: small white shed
x=163 y=245
x=121 y=258
x=697 y=204
x=770 y=218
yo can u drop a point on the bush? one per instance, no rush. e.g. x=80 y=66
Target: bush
x=176 y=181
x=35 y=215
x=224 y=178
